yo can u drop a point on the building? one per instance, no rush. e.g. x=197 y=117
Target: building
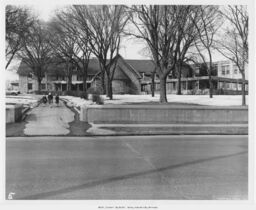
x=135 y=77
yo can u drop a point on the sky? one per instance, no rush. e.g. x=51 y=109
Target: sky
x=130 y=48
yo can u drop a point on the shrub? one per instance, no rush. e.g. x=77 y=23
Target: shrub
x=97 y=99
x=42 y=92
x=95 y=90
x=83 y=94
x=205 y=92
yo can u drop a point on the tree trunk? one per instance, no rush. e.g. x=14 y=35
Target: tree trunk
x=243 y=90
x=153 y=84
x=210 y=73
x=163 y=98
x=179 y=79
x=69 y=83
x=109 y=88
x=103 y=82
x=84 y=79
x=39 y=84
x=85 y=85
x=210 y=85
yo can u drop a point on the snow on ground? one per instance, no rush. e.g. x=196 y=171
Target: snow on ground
x=76 y=101
x=217 y=100
x=26 y=100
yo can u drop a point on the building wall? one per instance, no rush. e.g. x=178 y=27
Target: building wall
x=228 y=69
x=120 y=86
x=29 y=84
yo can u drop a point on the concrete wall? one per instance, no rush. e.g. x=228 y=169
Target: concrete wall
x=162 y=114
x=13 y=113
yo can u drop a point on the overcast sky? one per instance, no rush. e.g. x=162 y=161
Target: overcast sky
x=130 y=49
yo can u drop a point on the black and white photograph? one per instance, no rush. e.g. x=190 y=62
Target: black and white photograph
x=137 y=101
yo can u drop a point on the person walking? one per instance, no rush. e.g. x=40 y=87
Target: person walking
x=57 y=98
x=44 y=99
x=50 y=98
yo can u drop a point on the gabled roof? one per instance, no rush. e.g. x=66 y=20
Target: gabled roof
x=23 y=69
x=141 y=66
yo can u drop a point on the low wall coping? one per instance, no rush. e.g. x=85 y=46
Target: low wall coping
x=13 y=106
x=199 y=107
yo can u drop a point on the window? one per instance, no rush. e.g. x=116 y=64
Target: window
x=43 y=86
x=30 y=75
x=235 y=71
x=30 y=86
x=89 y=77
x=227 y=70
x=197 y=70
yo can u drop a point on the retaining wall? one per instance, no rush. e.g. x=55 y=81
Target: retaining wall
x=13 y=113
x=163 y=114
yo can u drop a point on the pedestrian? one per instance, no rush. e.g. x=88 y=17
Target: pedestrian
x=57 y=98
x=44 y=99
x=50 y=98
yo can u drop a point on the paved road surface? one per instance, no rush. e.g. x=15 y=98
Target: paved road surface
x=49 y=120
x=155 y=167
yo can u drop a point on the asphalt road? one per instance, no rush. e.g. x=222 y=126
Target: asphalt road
x=155 y=167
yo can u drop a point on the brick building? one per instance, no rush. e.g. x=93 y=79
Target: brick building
x=135 y=77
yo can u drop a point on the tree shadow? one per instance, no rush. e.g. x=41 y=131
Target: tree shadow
x=122 y=177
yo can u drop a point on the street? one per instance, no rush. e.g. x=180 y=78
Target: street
x=136 y=167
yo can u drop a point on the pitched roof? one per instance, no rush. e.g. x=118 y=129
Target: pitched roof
x=142 y=66
x=93 y=68
x=23 y=69
x=55 y=68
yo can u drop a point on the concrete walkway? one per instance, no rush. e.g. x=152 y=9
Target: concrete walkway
x=49 y=120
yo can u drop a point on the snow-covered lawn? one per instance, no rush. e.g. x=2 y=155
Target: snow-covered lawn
x=26 y=100
x=217 y=100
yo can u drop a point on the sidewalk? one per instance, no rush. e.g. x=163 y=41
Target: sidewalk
x=49 y=119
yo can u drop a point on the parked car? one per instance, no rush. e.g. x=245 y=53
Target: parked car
x=12 y=92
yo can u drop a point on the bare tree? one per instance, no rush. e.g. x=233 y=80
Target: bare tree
x=36 y=51
x=81 y=38
x=190 y=36
x=64 y=47
x=207 y=25
x=18 y=21
x=104 y=25
x=234 y=42
x=158 y=25
x=146 y=52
